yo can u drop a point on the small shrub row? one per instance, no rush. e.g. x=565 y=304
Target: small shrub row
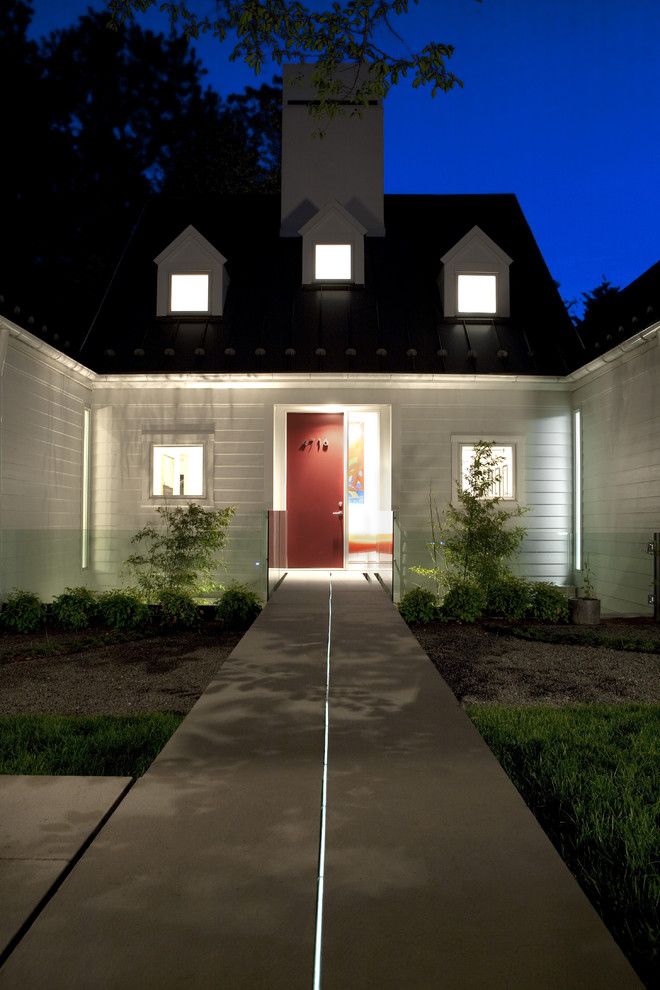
x=511 y=598
x=123 y=609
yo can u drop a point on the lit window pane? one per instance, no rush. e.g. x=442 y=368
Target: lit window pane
x=502 y=486
x=333 y=261
x=189 y=294
x=178 y=471
x=477 y=294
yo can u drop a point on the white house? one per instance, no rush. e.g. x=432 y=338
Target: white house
x=329 y=356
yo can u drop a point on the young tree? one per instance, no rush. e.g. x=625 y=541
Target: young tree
x=289 y=31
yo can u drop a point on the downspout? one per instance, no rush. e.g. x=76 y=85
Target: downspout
x=4 y=342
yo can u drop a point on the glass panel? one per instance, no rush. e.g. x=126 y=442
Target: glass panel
x=178 y=471
x=332 y=261
x=189 y=294
x=503 y=486
x=477 y=293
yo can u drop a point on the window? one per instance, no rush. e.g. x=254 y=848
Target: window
x=178 y=471
x=503 y=485
x=189 y=293
x=477 y=293
x=332 y=261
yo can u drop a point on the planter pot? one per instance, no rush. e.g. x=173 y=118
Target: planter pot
x=584 y=611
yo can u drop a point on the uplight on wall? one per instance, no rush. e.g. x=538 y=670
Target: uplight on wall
x=477 y=293
x=332 y=261
x=189 y=293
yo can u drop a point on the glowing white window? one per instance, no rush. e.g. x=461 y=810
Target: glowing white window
x=503 y=477
x=178 y=471
x=189 y=294
x=477 y=293
x=332 y=261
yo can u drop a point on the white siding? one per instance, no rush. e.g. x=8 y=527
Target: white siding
x=621 y=477
x=40 y=471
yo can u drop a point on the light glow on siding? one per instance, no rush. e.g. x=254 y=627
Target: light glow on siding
x=577 y=488
x=332 y=261
x=477 y=293
x=84 y=515
x=189 y=294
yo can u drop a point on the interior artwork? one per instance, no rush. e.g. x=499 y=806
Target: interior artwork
x=356 y=463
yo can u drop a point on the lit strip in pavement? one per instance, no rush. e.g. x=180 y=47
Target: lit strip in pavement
x=324 y=797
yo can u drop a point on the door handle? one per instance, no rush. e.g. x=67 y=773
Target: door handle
x=340 y=514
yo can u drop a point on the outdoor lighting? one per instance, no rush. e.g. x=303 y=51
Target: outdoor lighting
x=577 y=488
x=189 y=294
x=332 y=261
x=477 y=293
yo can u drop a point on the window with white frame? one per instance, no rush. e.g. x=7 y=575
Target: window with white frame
x=189 y=293
x=503 y=481
x=477 y=293
x=333 y=262
x=177 y=471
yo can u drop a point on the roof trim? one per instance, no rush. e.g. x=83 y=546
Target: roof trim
x=190 y=233
x=476 y=233
x=332 y=206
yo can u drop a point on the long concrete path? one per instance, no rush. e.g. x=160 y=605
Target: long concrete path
x=436 y=874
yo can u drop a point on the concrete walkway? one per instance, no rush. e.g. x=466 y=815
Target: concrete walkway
x=437 y=876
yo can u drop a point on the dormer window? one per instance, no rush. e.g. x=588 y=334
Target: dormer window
x=477 y=294
x=332 y=262
x=475 y=277
x=189 y=293
x=192 y=278
x=332 y=248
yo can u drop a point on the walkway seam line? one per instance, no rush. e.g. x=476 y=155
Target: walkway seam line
x=318 y=940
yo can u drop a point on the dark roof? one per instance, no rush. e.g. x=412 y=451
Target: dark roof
x=393 y=324
x=625 y=313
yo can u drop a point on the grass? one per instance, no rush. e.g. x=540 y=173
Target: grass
x=104 y=745
x=590 y=774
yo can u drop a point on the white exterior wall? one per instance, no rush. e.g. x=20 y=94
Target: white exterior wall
x=242 y=422
x=620 y=413
x=42 y=399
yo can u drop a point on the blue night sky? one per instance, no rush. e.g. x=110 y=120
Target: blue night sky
x=560 y=106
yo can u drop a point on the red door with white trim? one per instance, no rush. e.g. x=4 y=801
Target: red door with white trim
x=315 y=489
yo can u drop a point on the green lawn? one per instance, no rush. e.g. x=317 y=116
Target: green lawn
x=591 y=775
x=105 y=745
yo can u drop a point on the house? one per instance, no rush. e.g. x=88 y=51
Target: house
x=321 y=360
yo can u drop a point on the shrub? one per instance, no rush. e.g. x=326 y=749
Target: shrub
x=418 y=605
x=548 y=602
x=465 y=601
x=75 y=608
x=122 y=609
x=181 y=555
x=239 y=606
x=510 y=598
x=177 y=609
x=22 y=611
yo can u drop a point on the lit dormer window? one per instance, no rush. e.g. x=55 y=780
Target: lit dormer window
x=475 y=277
x=332 y=262
x=192 y=277
x=189 y=293
x=477 y=293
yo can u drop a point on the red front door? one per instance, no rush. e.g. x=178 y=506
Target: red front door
x=315 y=489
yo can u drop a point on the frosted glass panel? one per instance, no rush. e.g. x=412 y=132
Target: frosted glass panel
x=189 y=294
x=178 y=471
x=332 y=261
x=477 y=293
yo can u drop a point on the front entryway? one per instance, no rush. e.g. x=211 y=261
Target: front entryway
x=315 y=489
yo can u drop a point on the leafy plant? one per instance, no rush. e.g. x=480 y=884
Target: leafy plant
x=587 y=587
x=22 y=611
x=75 y=608
x=418 y=605
x=549 y=602
x=239 y=606
x=478 y=536
x=183 y=554
x=510 y=598
x=437 y=572
x=465 y=600
x=178 y=608
x=122 y=609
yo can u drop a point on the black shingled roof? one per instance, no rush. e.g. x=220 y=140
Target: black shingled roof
x=394 y=324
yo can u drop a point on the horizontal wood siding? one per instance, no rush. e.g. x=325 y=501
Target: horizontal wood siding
x=620 y=412
x=41 y=472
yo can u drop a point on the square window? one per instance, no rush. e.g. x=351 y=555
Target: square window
x=477 y=293
x=189 y=293
x=332 y=261
x=503 y=479
x=178 y=472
